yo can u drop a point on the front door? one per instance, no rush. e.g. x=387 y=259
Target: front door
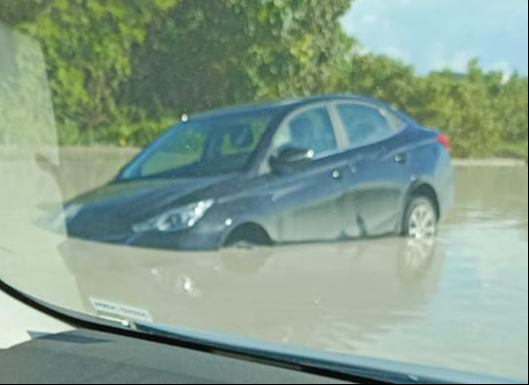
x=308 y=198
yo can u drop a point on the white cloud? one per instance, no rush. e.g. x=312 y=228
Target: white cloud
x=361 y=50
x=456 y=61
x=505 y=68
x=398 y=53
x=433 y=34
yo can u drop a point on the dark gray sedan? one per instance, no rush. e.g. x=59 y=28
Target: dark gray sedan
x=313 y=170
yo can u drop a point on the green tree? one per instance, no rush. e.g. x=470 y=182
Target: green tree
x=15 y=12
x=206 y=54
x=120 y=71
x=297 y=45
x=382 y=78
x=511 y=106
x=87 y=45
x=116 y=66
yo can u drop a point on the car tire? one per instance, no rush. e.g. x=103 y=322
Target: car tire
x=421 y=219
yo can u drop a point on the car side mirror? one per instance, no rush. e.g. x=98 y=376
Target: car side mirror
x=289 y=157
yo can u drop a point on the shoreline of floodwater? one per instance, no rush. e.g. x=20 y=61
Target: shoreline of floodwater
x=494 y=162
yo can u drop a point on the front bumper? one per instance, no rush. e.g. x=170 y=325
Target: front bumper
x=188 y=240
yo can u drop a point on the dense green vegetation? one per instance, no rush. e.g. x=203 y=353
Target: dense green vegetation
x=121 y=71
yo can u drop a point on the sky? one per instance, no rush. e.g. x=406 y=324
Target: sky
x=441 y=34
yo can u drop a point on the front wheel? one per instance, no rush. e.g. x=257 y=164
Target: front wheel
x=421 y=220
x=248 y=237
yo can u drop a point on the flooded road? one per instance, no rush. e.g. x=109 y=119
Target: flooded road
x=459 y=303
x=477 y=317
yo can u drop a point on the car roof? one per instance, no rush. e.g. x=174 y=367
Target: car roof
x=284 y=106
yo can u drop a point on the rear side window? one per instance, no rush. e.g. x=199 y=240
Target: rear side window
x=366 y=125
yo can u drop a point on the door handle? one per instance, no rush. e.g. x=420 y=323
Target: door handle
x=353 y=166
x=401 y=158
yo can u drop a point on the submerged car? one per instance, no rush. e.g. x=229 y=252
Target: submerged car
x=314 y=170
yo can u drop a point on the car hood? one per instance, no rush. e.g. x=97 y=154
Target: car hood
x=110 y=210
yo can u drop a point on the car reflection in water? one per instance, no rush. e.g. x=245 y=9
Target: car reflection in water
x=330 y=296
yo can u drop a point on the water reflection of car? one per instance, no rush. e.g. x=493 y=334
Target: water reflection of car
x=320 y=169
x=287 y=294
x=315 y=317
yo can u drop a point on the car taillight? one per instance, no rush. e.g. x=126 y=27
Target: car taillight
x=443 y=140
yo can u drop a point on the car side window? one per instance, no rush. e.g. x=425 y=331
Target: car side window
x=311 y=130
x=185 y=147
x=366 y=125
x=243 y=137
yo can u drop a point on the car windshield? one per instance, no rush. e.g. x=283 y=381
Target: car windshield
x=338 y=183
x=213 y=146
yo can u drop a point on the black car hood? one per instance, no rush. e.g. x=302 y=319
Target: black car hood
x=109 y=211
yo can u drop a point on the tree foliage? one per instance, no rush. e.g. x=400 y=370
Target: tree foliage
x=210 y=53
x=120 y=71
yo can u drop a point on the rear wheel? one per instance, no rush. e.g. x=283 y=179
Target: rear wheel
x=421 y=220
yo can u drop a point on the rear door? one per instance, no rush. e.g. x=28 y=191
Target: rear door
x=308 y=198
x=378 y=176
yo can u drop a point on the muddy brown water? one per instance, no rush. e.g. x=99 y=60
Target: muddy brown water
x=460 y=302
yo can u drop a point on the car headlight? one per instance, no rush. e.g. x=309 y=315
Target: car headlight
x=60 y=218
x=175 y=220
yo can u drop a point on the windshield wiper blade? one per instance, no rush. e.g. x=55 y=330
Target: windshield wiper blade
x=344 y=367
x=347 y=368
x=278 y=358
